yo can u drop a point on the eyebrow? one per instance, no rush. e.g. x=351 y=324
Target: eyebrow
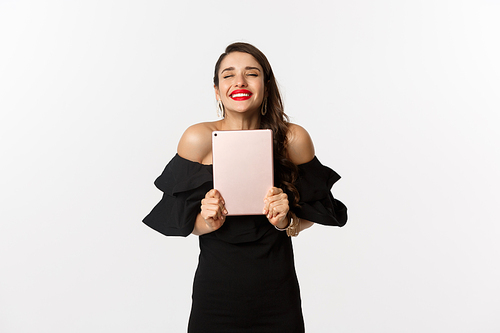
x=232 y=69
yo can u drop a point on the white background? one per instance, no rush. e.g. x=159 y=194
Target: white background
x=400 y=97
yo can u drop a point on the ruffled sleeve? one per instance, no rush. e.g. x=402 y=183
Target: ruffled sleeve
x=317 y=203
x=184 y=184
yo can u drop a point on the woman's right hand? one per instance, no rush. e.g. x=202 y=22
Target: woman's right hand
x=213 y=210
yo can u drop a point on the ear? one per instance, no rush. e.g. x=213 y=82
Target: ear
x=217 y=93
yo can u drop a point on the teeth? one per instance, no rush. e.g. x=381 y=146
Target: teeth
x=240 y=95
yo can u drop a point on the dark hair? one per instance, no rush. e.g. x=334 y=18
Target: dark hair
x=285 y=171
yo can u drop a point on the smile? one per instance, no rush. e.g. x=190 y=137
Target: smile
x=240 y=95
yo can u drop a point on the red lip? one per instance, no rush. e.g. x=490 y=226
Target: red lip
x=241 y=91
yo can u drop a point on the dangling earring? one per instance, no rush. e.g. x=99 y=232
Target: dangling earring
x=263 y=109
x=221 y=113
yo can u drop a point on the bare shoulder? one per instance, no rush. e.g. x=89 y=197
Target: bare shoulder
x=196 y=142
x=300 y=146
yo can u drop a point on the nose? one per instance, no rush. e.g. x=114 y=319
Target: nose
x=240 y=80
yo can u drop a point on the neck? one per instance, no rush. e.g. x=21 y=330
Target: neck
x=239 y=121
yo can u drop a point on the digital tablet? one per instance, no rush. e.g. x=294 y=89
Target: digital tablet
x=243 y=169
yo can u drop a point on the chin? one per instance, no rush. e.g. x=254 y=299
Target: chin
x=243 y=109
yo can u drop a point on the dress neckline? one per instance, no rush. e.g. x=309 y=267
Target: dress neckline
x=198 y=163
x=210 y=165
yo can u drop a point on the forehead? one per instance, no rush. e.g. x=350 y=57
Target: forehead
x=239 y=60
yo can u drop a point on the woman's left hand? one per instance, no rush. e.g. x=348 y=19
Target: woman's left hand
x=276 y=207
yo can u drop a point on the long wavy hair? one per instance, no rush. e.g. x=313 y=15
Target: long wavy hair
x=285 y=171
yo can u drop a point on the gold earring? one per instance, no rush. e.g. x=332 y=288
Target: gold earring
x=263 y=109
x=221 y=113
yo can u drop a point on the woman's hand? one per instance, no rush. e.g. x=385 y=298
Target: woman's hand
x=213 y=210
x=276 y=207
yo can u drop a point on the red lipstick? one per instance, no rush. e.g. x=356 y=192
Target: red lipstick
x=241 y=95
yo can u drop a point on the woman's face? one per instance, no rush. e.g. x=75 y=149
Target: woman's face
x=241 y=83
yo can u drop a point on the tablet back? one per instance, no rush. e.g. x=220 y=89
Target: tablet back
x=243 y=169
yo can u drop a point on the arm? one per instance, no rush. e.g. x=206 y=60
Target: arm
x=317 y=202
x=196 y=145
x=300 y=150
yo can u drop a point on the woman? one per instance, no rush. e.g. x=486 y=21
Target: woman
x=246 y=281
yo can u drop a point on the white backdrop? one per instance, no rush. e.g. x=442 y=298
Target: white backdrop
x=400 y=97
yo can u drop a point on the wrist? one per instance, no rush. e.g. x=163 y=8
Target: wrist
x=201 y=227
x=281 y=226
x=293 y=225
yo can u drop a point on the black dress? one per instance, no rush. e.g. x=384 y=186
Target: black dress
x=245 y=280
